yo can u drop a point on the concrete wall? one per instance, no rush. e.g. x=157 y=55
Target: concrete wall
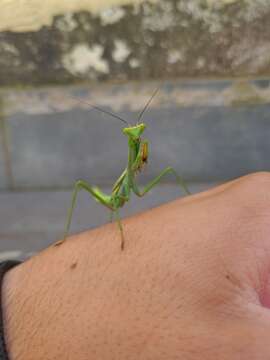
x=63 y=42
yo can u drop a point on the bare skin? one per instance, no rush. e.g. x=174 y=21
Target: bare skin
x=193 y=284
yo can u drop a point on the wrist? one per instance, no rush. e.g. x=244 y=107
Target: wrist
x=8 y=312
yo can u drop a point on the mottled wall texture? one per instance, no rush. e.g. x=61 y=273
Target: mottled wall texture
x=115 y=53
x=65 y=42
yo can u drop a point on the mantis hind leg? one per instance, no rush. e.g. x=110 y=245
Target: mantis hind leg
x=83 y=185
x=156 y=180
x=120 y=226
x=111 y=216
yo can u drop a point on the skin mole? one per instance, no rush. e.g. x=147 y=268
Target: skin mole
x=73 y=266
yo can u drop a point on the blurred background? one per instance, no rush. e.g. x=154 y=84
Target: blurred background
x=210 y=60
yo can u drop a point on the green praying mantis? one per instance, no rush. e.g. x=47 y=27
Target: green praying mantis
x=126 y=183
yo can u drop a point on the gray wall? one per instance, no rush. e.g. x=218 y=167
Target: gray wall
x=207 y=130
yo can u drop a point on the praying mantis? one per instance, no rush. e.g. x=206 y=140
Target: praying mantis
x=126 y=183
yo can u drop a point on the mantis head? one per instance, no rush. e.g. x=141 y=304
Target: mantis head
x=134 y=132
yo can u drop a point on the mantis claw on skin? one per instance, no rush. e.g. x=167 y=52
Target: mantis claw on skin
x=125 y=184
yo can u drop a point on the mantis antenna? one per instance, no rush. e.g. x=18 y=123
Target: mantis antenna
x=147 y=104
x=114 y=115
x=99 y=109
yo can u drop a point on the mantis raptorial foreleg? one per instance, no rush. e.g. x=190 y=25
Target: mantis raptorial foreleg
x=156 y=180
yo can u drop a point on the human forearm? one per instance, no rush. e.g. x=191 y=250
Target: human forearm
x=192 y=283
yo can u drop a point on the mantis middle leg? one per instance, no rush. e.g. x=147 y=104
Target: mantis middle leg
x=97 y=194
x=156 y=180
